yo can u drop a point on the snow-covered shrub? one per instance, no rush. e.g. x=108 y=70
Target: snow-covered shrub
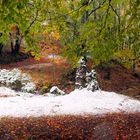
x=29 y=87
x=16 y=80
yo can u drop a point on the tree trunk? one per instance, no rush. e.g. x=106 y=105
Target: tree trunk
x=1 y=47
x=17 y=46
x=133 y=66
x=15 y=41
x=11 y=43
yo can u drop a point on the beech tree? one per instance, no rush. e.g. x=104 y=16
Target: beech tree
x=99 y=29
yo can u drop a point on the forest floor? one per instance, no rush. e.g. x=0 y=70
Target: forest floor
x=80 y=115
x=115 y=126
x=49 y=72
x=57 y=71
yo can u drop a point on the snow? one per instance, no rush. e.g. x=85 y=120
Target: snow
x=54 y=56
x=78 y=102
x=4 y=91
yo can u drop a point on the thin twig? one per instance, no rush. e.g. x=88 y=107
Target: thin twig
x=69 y=13
x=119 y=19
x=97 y=8
x=107 y=11
x=32 y=22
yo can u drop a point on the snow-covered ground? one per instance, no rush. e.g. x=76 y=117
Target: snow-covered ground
x=77 y=102
x=4 y=91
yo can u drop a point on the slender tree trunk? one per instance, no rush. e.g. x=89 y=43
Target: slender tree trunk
x=17 y=45
x=11 y=43
x=133 y=66
x=18 y=41
x=1 y=45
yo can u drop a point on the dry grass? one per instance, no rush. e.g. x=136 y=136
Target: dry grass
x=108 y=127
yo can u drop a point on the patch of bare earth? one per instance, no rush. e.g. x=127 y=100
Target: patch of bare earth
x=118 y=79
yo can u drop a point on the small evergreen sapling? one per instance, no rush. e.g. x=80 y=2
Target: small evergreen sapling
x=85 y=79
x=81 y=74
x=91 y=79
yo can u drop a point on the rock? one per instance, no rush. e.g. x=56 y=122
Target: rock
x=103 y=131
x=55 y=90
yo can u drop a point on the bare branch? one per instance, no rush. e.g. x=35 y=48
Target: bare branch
x=136 y=58
x=69 y=13
x=119 y=19
x=31 y=23
x=107 y=11
x=97 y=8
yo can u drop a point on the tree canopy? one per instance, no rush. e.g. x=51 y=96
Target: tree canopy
x=99 y=29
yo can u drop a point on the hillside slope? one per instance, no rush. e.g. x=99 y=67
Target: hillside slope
x=117 y=78
x=47 y=72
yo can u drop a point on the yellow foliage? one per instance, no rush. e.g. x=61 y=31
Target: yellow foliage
x=124 y=54
x=37 y=58
x=33 y=53
x=55 y=35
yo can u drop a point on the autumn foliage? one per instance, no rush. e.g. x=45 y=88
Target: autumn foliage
x=88 y=127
